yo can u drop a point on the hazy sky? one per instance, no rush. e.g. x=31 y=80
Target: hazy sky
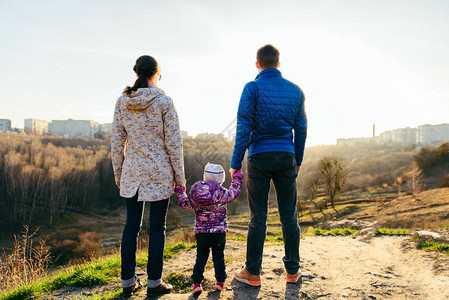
x=359 y=62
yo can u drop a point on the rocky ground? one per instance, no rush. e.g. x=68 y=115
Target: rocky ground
x=387 y=267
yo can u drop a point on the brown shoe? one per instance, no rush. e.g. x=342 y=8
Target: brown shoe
x=293 y=278
x=248 y=278
x=129 y=291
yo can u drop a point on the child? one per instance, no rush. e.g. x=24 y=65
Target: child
x=208 y=198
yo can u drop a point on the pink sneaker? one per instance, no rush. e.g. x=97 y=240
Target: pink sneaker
x=219 y=285
x=196 y=288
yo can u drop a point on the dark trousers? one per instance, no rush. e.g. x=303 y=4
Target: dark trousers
x=204 y=242
x=134 y=209
x=281 y=168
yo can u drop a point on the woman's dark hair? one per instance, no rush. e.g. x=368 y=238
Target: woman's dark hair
x=145 y=68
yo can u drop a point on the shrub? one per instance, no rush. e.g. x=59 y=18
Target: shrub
x=187 y=235
x=432 y=245
x=341 y=231
x=444 y=181
x=335 y=231
x=389 y=231
x=73 y=245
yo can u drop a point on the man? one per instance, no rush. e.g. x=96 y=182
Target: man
x=272 y=125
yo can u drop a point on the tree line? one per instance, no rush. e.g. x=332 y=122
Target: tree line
x=394 y=167
x=41 y=178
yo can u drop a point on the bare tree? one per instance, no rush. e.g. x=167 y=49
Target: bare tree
x=414 y=176
x=333 y=173
x=398 y=185
x=314 y=184
x=39 y=181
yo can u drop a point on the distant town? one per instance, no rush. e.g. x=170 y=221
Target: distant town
x=421 y=135
x=66 y=128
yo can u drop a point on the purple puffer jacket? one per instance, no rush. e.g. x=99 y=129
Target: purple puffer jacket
x=209 y=199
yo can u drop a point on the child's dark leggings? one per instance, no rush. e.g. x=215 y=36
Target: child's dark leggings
x=204 y=242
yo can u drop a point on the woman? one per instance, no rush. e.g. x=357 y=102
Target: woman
x=148 y=162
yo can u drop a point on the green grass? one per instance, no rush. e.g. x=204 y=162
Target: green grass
x=389 y=231
x=273 y=217
x=100 y=271
x=179 y=281
x=277 y=238
x=432 y=245
x=25 y=292
x=314 y=231
x=237 y=237
x=341 y=231
x=174 y=249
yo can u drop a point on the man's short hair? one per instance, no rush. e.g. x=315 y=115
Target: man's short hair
x=268 y=56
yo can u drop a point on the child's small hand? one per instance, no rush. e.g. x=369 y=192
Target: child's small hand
x=180 y=189
x=232 y=171
x=238 y=175
x=177 y=186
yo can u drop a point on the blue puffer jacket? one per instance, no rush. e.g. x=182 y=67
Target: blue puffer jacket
x=271 y=117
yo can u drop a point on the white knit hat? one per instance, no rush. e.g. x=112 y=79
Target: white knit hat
x=214 y=173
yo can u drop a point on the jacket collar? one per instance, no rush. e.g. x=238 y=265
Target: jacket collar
x=271 y=72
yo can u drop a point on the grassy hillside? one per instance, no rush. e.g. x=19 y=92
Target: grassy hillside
x=430 y=210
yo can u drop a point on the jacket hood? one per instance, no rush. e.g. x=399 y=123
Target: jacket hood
x=204 y=192
x=142 y=98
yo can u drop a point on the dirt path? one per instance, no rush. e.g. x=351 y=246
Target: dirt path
x=333 y=268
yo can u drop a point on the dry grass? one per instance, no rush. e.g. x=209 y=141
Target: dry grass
x=186 y=235
x=74 y=246
x=27 y=262
x=429 y=210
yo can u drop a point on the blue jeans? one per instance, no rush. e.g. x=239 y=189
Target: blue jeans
x=158 y=212
x=281 y=168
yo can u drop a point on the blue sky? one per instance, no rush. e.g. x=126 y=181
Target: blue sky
x=359 y=62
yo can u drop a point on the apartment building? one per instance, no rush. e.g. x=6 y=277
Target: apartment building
x=35 y=126
x=432 y=134
x=386 y=137
x=70 y=127
x=356 y=141
x=105 y=128
x=423 y=134
x=5 y=125
x=404 y=135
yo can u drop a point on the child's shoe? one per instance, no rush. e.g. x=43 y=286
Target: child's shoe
x=196 y=288
x=219 y=285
